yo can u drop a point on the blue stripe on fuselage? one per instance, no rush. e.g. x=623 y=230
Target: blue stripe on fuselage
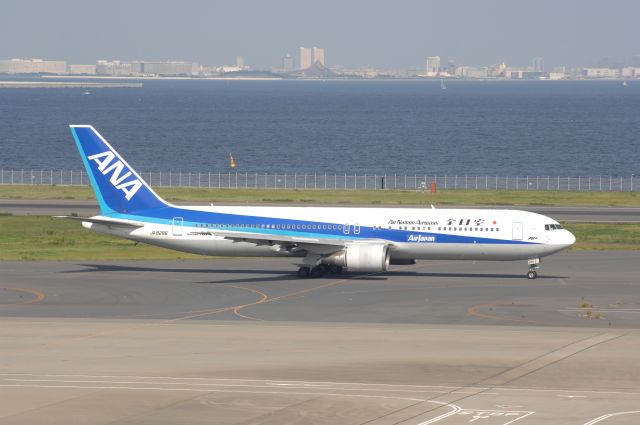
x=191 y=218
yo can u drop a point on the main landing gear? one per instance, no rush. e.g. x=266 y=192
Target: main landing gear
x=318 y=271
x=533 y=267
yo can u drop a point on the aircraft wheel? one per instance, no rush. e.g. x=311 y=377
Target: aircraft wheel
x=304 y=272
x=318 y=271
x=335 y=269
x=532 y=274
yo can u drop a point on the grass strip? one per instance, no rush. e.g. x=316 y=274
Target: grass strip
x=46 y=238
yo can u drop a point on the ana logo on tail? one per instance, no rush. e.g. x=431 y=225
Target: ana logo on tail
x=117 y=179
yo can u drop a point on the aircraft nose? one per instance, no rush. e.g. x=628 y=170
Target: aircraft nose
x=568 y=238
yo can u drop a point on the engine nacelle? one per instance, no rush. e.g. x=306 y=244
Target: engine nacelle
x=361 y=258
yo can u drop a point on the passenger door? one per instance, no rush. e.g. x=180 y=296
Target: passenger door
x=177 y=226
x=517 y=232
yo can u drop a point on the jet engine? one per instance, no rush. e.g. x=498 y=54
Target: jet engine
x=361 y=258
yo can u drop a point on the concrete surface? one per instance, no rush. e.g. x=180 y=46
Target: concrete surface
x=244 y=342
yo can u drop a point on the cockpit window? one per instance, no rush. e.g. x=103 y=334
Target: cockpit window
x=552 y=227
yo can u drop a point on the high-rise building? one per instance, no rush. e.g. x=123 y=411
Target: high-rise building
x=240 y=62
x=105 y=67
x=318 y=55
x=433 y=66
x=538 y=64
x=451 y=67
x=287 y=63
x=305 y=57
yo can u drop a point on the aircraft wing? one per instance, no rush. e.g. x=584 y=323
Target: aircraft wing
x=291 y=243
x=112 y=222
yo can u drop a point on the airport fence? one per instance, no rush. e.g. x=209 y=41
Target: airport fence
x=326 y=181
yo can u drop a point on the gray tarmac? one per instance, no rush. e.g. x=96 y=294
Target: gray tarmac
x=565 y=214
x=242 y=341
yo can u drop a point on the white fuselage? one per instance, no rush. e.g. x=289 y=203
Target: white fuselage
x=412 y=233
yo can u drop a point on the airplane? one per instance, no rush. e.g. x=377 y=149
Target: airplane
x=325 y=240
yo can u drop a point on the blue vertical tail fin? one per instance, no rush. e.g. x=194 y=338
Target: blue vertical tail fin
x=118 y=187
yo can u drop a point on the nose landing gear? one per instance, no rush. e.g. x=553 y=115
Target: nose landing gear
x=533 y=267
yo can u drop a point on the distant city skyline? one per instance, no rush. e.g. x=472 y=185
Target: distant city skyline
x=311 y=65
x=357 y=33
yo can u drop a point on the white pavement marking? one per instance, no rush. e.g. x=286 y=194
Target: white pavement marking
x=212 y=384
x=510 y=415
x=265 y=381
x=255 y=386
x=604 y=417
x=521 y=417
x=307 y=384
x=455 y=409
x=202 y=390
x=220 y=384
